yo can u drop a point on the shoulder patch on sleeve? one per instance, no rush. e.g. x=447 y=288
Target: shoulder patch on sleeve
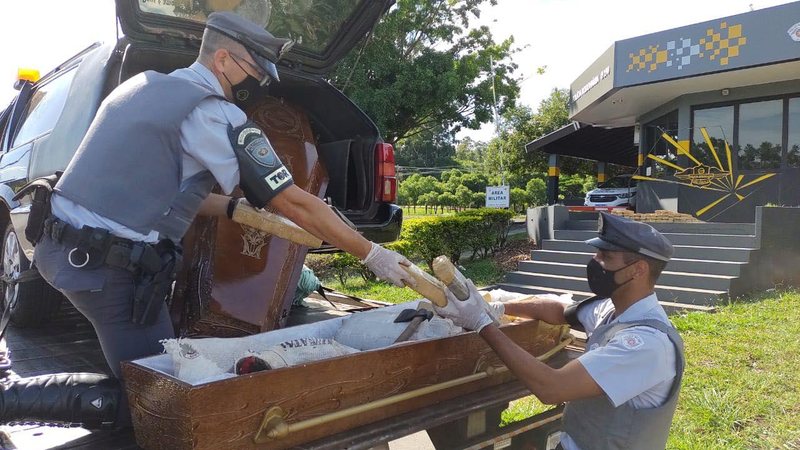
x=631 y=341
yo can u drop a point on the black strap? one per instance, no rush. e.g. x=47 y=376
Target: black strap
x=101 y=247
x=571 y=312
x=47 y=183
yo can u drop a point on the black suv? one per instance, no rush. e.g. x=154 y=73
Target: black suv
x=45 y=123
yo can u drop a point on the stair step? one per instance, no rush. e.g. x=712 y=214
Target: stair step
x=668 y=292
x=668 y=277
x=669 y=306
x=698 y=239
x=561 y=256
x=675 y=264
x=672 y=227
x=681 y=251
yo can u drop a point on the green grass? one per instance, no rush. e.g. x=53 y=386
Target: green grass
x=482 y=272
x=741 y=389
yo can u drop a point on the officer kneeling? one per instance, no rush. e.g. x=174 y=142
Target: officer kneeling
x=143 y=171
x=622 y=392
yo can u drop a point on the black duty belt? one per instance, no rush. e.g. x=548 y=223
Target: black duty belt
x=93 y=247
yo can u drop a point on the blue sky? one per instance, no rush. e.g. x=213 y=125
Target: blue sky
x=564 y=35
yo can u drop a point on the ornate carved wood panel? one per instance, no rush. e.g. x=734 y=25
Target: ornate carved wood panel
x=237 y=281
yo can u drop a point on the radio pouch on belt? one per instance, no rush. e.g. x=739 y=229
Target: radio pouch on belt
x=153 y=287
x=41 y=189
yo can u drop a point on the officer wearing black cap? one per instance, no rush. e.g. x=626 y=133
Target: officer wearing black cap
x=145 y=168
x=623 y=391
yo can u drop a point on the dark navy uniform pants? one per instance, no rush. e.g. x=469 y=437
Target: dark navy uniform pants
x=104 y=296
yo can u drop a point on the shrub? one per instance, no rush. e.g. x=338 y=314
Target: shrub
x=439 y=235
x=483 y=231
x=480 y=231
x=492 y=227
x=401 y=246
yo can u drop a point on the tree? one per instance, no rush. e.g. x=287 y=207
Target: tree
x=424 y=67
x=470 y=153
x=536 y=188
x=478 y=199
x=518 y=200
x=447 y=199
x=463 y=197
x=429 y=199
x=409 y=190
x=521 y=126
x=430 y=148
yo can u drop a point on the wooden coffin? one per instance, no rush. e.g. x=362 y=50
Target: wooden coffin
x=287 y=407
x=236 y=280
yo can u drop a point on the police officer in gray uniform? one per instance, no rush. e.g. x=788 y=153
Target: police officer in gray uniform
x=145 y=169
x=622 y=392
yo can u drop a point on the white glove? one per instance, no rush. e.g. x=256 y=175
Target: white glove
x=471 y=314
x=496 y=309
x=388 y=266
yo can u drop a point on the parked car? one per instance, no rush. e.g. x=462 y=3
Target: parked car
x=617 y=191
x=45 y=123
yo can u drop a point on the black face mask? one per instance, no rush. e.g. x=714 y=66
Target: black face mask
x=601 y=281
x=244 y=93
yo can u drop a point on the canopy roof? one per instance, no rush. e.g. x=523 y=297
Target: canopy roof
x=580 y=140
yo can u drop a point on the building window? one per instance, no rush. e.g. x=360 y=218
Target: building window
x=793 y=147
x=718 y=123
x=656 y=145
x=760 y=135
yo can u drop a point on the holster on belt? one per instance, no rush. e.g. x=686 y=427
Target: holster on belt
x=153 y=287
x=154 y=267
x=41 y=189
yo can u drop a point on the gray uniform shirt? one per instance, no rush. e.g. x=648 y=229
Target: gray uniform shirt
x=204 y=137
x=637 y=365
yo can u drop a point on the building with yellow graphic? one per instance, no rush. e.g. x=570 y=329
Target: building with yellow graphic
x=717 y=45
x=706 y=117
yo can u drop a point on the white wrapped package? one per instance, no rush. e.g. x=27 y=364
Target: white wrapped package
x=190 y=365
x=500 y=295
x=223 y=352
x=373 y=329
x=198 y=361
x=300 y=351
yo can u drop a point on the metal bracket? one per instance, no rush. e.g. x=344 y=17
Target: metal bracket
x=272 y=427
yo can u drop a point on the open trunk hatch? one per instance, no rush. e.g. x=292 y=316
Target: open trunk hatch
x=324 y=30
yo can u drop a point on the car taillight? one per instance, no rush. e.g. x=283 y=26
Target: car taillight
x=385 y=175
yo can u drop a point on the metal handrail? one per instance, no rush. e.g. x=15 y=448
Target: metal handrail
x=274 y=425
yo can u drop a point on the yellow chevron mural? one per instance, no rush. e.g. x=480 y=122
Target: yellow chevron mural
x=719 y=178
x=717 y=45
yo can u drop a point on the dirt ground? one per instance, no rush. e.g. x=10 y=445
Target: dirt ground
x=514 y=252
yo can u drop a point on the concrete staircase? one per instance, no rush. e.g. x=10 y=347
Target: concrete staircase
x=705 y=270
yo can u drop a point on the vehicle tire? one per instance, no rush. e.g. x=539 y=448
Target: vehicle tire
x=32 y=303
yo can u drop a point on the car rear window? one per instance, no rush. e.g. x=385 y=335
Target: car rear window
x=312 y=23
